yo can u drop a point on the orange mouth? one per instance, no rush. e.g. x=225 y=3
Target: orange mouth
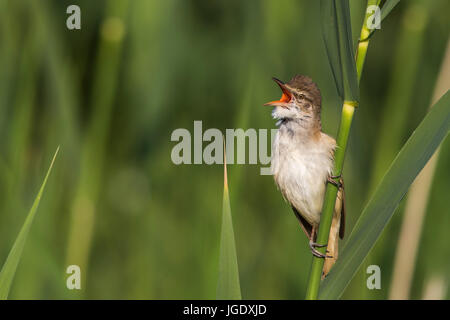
x=285 y=97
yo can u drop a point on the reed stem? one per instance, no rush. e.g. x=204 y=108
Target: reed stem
x=348 y=110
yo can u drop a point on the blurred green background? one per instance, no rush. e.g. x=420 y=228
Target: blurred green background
x=111 y=94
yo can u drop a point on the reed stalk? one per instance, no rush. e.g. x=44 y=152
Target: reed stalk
x=348 y=110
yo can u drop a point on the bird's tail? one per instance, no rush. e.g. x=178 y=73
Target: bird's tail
x=332 y=248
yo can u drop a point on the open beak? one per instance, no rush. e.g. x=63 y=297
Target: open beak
x=285 y=97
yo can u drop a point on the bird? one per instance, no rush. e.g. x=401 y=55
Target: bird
x=302 y=162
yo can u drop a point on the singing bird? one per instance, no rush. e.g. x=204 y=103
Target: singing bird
x=302 y=162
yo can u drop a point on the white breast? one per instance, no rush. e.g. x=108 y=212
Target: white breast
x=300 y=168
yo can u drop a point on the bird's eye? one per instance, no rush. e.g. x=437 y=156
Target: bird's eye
x=301 y=96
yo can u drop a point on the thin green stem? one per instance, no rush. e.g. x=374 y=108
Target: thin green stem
x=348 y=110
x=363 y=42
x=329 y=201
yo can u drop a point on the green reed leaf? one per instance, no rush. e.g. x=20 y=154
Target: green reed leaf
x=228 y=287
x=387 y=8
x=9 y=268
x=409 y=162
x=337 y=36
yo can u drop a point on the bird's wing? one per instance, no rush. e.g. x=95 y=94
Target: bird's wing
x=306 y=227
x=342 y=196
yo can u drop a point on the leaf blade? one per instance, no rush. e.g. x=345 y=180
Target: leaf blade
x=350 y=76
x=394 y=185
x=337 y=37
x=331 y=41
x=9 y=268
x=228 y=286
x=387 y=8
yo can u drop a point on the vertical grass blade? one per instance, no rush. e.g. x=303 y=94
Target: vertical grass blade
x=10 y=266
x=394 y=185
x=337 y=36
x=228 y=287
x=94 y=149
x=331 y=41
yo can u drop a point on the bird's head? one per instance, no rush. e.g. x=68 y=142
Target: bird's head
x=300 y=101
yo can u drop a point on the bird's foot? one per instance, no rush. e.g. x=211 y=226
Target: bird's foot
x=337 y=184
x=315 y=252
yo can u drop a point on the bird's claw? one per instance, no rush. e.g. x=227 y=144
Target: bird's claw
x=337 y=184
x=313 y=246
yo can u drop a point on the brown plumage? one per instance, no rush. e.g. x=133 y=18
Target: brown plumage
x=302 y=161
